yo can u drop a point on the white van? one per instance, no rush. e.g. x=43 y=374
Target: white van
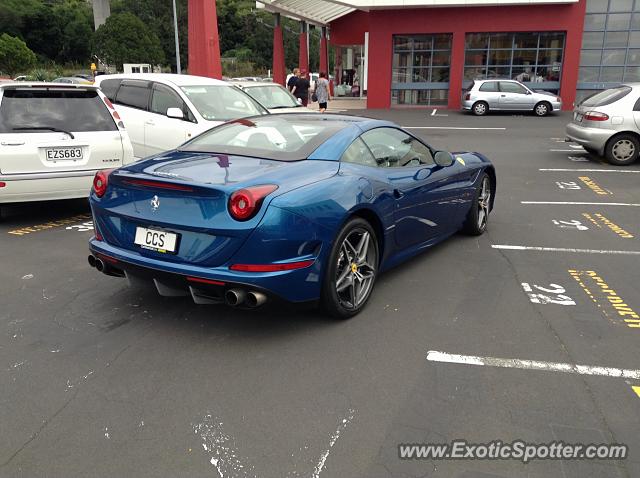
x=53 y=139
x=163 y=110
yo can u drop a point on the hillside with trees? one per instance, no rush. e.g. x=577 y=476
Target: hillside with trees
x=61 y=35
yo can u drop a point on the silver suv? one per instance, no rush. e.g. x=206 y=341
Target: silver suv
x=508 y=95
x=608 y=124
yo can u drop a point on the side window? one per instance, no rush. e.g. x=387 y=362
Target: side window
x=489 y=86
x=393 y=148
x=134 y=94
x=109 y=88
x=358 y=153
x=509 y=87
x=164 y=98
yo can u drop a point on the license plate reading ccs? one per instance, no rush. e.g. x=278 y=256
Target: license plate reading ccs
x=61 y=154
x=160 y=241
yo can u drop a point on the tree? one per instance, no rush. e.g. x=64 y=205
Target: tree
x=15 y=55
x=124 y=38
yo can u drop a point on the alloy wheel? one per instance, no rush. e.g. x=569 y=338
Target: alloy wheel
x=484 y=203
x=356 y=269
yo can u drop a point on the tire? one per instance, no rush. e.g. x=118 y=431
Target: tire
x=478 y=216
x=356 y=275
x=622 y=150
x=480 y=108
x=542 y=109
x=591 y=151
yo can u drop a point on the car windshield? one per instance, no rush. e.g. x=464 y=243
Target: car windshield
x=606 y=97
x=222 y=102
x=272 y=96
x=270 y=137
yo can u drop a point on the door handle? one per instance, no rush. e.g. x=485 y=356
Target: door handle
x=503 y=96
x=150 y=122
x=12 y=143
x=397 y=193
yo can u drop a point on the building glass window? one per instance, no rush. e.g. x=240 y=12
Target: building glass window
x=420 y=73
x=611 y=36
x=530 y=57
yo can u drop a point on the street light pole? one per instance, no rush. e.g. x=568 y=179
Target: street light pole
x=175 y=32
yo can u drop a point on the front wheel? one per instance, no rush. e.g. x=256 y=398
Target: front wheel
x=478 y=215
x=351 y=270
x=622 y=150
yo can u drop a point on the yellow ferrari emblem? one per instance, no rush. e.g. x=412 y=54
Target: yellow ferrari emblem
x=460 y=160
x=354 y=267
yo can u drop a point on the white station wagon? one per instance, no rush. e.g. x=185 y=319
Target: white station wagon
x=53 y=139
x=163 y=110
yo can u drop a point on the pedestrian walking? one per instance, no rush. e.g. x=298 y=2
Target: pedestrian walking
x=301 y=88
x=293 y=79
x=322 y=92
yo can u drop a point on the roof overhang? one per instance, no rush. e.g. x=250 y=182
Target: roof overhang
x=323 y=12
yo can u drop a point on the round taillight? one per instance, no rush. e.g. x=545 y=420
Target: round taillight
x=245 y=203
x=100 y=181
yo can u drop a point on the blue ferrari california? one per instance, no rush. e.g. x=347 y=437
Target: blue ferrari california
x=300 y=207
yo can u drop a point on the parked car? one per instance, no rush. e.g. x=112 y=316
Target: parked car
x=162 y=111
x=607 y=124
x=273 y=96
x=53 y=138
x=297 y=207
x=72 y=79
x=508 y=95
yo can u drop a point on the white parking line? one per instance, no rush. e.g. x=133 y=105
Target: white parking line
x=591 y=170
x=563 y=249
x=452 y=127
x=565 y=203
x=433 y=113
x=566 y=151
x=436 y=356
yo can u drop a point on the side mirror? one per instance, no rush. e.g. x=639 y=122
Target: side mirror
x=299 y=101
x=175 y=113
x=443 y=158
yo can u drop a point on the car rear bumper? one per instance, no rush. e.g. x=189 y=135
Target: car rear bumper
x=467 y=104
x=591 y=138
x=44 y=187
x=297 y=286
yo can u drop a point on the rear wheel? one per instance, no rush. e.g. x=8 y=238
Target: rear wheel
x=478 y=215
x=622 y=150
x=351 y=270
x=480 y=108
x=542 y=109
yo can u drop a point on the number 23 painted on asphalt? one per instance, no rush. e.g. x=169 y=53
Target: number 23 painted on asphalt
x=550 y=296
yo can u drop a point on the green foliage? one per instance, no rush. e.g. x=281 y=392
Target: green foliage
x=62 y=31
x=15 y=55
x=124 y=38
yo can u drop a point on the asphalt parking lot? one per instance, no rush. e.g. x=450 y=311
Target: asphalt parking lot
x=100 y=379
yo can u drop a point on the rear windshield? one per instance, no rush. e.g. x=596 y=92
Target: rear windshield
x=606 y=97
x=73 y=110
x=270 y=137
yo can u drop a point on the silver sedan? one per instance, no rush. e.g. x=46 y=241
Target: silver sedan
x=608 y=124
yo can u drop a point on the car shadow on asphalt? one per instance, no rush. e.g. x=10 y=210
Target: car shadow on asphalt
x=32 y=213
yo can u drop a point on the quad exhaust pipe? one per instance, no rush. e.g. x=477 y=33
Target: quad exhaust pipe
x=239 y=297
